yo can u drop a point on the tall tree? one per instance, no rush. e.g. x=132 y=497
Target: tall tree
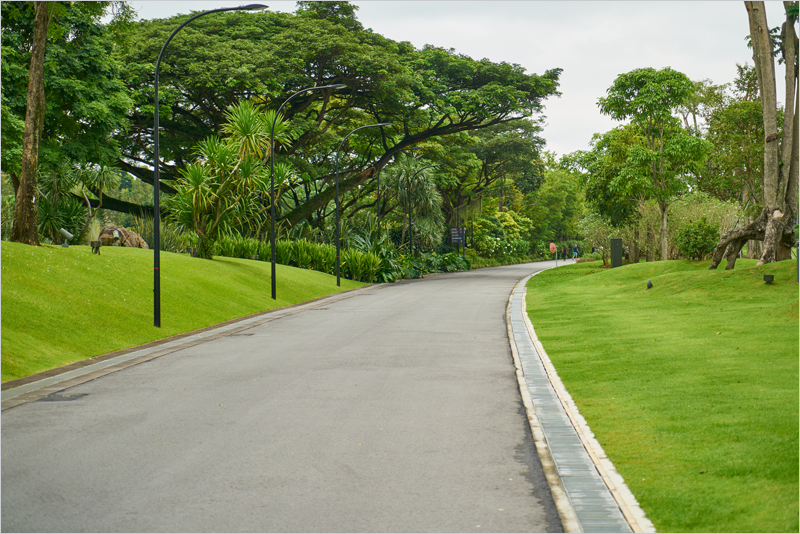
x=425 y=94
x=775 y=224
x=670 y=155
x=735 y=130
x=25 y=228
x=87 y=103
x=609 y=194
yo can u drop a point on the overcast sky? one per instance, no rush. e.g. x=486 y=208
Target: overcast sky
x=592 y=41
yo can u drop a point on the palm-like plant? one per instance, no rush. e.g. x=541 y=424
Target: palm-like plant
x=415 y=190
x=96 y=180
x=222 y=190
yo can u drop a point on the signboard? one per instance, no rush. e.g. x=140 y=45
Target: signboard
x=457 y=235
x=553 y=248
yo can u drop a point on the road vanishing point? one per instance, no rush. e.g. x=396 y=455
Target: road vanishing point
x=392 y=408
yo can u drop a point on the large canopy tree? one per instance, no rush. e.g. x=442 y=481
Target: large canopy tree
x=609 y=193
x=775 y=224
x=425 y=94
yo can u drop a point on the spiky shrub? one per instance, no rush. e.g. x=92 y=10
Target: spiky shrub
x=222 y=189
x=68 y=213
x=352 y=264
x=284 y=251
x=302 y=251
x=371 y=265
x=171 y=236
x=323 y=258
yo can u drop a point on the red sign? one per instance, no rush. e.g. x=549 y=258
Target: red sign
x=552 y=247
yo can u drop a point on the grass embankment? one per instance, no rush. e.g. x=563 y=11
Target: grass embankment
x=691 y=387
x=63 y=305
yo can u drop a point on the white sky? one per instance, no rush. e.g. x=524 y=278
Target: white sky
x=592 y=41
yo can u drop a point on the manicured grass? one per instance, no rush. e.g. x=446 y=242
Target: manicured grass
x=64 y=305
x=691 y=387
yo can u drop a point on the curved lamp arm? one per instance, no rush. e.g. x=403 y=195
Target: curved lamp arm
x=272 y=176
x=157 y=164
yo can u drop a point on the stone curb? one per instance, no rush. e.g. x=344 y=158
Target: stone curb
x=624 y=498
x=569 y=520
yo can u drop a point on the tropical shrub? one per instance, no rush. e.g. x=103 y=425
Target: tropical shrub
x=222 y=189
x=171 y=236
x=284 y=252
x=697 y=239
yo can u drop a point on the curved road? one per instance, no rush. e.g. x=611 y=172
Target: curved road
x=393 y=409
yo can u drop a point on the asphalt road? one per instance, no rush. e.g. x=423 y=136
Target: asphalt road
x=394 y=410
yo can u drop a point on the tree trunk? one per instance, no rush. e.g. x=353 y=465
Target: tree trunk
x=664 y=206
x=25 y=228
x=774 y=226
x=636 y=244
x=754 y=249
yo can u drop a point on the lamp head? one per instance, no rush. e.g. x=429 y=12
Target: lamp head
x=66 y=234
x=252 y=7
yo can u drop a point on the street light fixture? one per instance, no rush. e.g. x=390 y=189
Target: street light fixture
x=272 y=175
x=156 y=177
x=338 y=264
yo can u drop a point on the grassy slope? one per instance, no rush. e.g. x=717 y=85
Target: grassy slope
x=691 y=387
x=63 y=305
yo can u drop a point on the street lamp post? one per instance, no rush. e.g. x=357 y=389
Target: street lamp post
x=157 y=161
x=338 y=264
x=408 y=199
x=272 y=175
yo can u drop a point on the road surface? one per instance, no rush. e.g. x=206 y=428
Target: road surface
x=395 y=409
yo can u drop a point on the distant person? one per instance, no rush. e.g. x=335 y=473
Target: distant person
x=575 y=251
x=564 y=253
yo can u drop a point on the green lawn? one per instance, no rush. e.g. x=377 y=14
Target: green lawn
x=63 y=305
x=691 y=387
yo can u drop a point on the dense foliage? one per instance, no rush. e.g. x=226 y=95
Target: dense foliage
x=464 y=148
x=697 y=239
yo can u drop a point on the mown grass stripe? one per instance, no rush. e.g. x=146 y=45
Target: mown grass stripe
x=691 y=387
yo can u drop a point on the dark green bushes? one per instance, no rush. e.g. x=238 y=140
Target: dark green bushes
x=697 y=239
x=366 y=261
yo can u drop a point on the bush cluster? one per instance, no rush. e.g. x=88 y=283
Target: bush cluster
x=697 y=239
x=380 y=265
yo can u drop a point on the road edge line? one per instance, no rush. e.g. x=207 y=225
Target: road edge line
x=102 y=365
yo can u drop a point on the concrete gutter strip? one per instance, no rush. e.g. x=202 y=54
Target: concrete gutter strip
x=53 y=383
x=599 y=497
x=569 y=520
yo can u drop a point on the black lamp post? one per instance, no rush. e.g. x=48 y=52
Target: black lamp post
x=338 y=264
x=156 y=179
x=408 y=199
x=272 y=175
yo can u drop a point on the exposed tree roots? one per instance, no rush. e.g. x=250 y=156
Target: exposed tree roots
x=771 y=227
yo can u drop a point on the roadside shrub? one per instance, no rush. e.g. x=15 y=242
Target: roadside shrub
x=302 y=254
x=697 y=239
x=284 y=252
x=323 y=258
x=171 y=236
